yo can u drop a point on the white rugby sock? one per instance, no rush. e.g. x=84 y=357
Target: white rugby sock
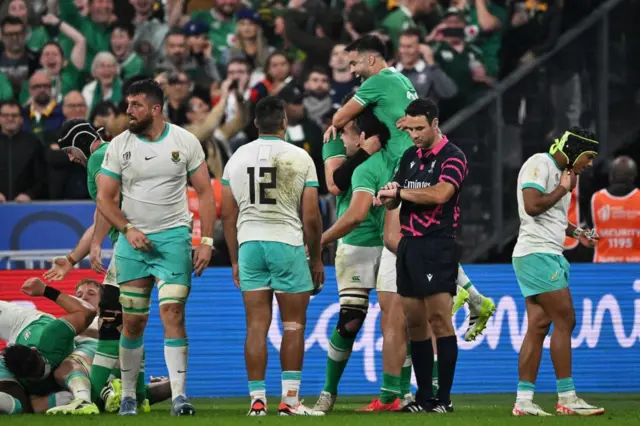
x=176 y=352
x=79 y=385
x=291 y=387
x=131 y=352
x=9 y=405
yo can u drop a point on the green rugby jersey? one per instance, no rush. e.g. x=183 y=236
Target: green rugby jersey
x=370 y=176
x=389 y=92
x=93 y=168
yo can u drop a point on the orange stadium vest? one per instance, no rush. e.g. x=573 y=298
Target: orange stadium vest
x=617 y=221
x=574 y=217
x=192 y=199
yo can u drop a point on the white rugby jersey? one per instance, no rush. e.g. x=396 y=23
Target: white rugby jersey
x=544 y=233
x=267 y=178
x=154 y=176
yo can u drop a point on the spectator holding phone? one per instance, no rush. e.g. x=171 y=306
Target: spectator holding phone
x=460 y=60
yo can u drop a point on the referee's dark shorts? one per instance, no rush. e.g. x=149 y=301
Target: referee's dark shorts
x=426 y=266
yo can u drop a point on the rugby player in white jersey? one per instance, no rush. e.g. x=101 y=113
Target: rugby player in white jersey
x=270 y=211
x=149 y=165
x=544 y=189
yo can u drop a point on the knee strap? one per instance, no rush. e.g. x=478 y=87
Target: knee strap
x=354 y=304
x=110 y=314
x=135 y=301
x=172 y=293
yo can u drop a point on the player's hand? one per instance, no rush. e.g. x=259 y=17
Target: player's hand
x=385 y=196
x=158 y=379
x=60 y=267
x=568 y=179
x=95 y=255
x=33 y=287
x=400 y=123
x=371 y=145
x=317 y=275
x=235 y=272
x=331 y=133
x=3 y=199
x=138 y=240
x=589 y=238
x=201 y=258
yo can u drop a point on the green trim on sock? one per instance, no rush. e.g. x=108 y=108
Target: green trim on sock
x=17 y=406
x=468 y=285
x=127 y=343
x=176 y=343
x=390 y=389
x=256 y=385
x=565 y=385
x=73 y=376
x=51 y=400
x=292 y=375
x=526 y=386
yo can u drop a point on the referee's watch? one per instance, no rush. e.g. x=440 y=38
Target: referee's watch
x=398 y=189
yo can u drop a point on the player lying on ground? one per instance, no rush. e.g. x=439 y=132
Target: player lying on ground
x=269 y=211
x=110 y=395
x=84 y=146
x=545 y=183
x=38 y=344
x=358 y=231
x=155 y=221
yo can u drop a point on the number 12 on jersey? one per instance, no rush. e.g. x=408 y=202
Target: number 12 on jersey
x=263 y=186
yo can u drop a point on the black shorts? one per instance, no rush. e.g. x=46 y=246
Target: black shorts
x=427 y=266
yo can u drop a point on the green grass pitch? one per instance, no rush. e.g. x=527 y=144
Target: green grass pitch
x=470 y=410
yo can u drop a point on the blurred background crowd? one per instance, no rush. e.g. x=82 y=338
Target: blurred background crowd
x=215 y=59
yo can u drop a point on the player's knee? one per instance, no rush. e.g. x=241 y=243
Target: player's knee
x=441 y=324
x=135 y=301
x=292 y=327
x=354 y=305
x=172 y=314
x=135 y=325
x=110 y=314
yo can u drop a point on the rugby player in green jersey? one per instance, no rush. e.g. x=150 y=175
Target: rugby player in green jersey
x=84 y=146
x=359 y=232
x=38 y=345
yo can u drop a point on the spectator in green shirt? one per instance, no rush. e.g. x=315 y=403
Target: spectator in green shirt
x=95 y=26
x=222 y=24
x=403 y=18
x=107 y=85
x=37 y=36
x=131 y=64
x=485 y=22
x=6 y=91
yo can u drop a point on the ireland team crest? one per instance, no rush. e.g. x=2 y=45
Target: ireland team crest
x=175 y=156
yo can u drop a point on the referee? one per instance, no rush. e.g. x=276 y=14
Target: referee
x=427 y=184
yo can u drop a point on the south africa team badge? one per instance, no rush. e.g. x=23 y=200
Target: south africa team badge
x=175 y=156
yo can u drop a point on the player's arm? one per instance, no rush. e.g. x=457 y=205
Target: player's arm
x=80 y=314
x=392 y=233
x=206 y=201
x=312 y=222
x=84 y=245
x=330 y=166
x=346 y=113
x=361 y=202
x=108 y=190
x=536 y=201
x=229 y=215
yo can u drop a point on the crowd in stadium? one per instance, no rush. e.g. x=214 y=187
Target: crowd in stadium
x=65 y=59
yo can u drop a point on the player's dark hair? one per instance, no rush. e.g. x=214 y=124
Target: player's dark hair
x=425 y=107
x=412 y=32
x=368 y=123
x=270 y=112
x=12 y=20
x=367 y=44
x=149 y=88
x=21 y=361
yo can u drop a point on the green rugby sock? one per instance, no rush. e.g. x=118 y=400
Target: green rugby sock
x=337 y=358
x=405 y=376
x=140 y=383
x=390 y=388
x=104 y=361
